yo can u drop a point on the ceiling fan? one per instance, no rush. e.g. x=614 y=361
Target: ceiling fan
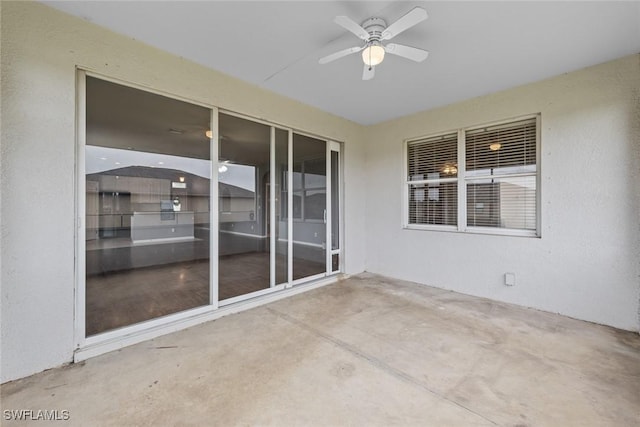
x=374 y=31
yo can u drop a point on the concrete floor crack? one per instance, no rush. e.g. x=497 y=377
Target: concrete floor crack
x=374 y=361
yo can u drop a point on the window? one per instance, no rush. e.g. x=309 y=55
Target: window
x=433 y=180
x=482 y=179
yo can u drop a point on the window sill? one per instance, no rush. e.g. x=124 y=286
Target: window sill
x=502 y=232
x=474 y=230
x=425 y=227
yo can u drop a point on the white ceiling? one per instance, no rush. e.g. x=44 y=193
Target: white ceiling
x=475 y=47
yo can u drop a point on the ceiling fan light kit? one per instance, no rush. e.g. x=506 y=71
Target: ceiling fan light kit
x=373 y=32
x=373 y=54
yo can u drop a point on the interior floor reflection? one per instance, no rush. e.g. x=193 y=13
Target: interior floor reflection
x=121 y=298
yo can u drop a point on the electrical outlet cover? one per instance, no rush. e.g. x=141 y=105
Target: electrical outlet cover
x=509 y=279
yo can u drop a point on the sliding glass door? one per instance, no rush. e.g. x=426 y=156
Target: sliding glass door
x=274 y=222
x=244 y=165
x=309 y=210
x=186 y=209
x=147 y=184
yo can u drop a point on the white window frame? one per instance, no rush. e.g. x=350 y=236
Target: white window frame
x=463 y=179
x=408 y=183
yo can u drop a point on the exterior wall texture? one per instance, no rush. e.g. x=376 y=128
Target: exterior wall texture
x=586 y=263
x=41 y=49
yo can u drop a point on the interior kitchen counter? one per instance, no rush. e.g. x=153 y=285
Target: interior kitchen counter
x=158 y=226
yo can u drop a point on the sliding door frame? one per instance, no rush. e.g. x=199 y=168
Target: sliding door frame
x=80 y=209
x=214 y=213
x=116 y=338
x=334 y=147
x=329 y=146
x=272 y=208
x=80 y=339
x=289 y=210
x=273 y=286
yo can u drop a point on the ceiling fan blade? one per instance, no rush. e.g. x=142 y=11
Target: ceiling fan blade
x=412 y=53
x=411 y=18
x=349 y=24
x=368 y=72
x=340 y=54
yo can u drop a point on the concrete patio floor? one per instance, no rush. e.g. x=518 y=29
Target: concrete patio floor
x=365 y=351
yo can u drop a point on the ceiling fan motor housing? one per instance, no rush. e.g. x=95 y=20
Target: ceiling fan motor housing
x=375 y=27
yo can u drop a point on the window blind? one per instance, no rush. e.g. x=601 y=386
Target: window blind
x=510 y=148
x=432 y=174
x=433 y=203
x=501 y=176
x=502 y=203
x=433 y=158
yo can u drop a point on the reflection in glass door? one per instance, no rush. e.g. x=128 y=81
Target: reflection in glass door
x=146 y=177
x=244 y=174
x=147 y=182
x=278 y=193
x=252 y=224
x=309 y=209
x=335 y=196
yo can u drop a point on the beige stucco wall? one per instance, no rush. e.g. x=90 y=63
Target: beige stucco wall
x=41 y=49
x=587 y=262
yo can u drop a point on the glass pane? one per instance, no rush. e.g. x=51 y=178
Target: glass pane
x=433 y=203
x=509 y=148
x=335 y=201
x=315 y=173
x=243 y=233
x=297 y=204
x=433 y=158
x=502 y=203
x=335 y=262
x=282 y=150
x=315 y=202
x=147 y=206
x=309 y=205
x=297 y=176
